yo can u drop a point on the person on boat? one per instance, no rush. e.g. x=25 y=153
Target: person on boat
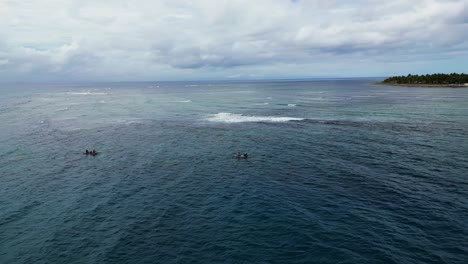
x=87 y=152
x=94 y=152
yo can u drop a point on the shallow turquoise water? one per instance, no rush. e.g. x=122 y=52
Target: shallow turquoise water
x=340 y=171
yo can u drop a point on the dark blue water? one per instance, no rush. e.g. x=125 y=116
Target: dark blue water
x=339 y=172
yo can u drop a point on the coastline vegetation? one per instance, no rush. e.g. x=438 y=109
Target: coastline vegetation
x=438 y=79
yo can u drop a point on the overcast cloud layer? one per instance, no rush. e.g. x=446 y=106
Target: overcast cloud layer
x=116 y=40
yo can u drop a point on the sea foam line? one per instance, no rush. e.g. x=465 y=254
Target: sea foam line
x=239 y=118
x=86 y=93
x=63 y=109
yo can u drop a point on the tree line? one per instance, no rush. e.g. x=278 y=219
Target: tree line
x=438 y=78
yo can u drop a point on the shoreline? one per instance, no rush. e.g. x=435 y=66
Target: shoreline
x=424 y=85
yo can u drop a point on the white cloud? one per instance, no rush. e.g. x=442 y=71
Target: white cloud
x=125 y=40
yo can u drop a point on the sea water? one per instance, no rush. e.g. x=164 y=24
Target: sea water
x=339 y=171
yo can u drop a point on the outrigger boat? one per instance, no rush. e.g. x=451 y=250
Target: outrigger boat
x=92 y=152
x=239 y=155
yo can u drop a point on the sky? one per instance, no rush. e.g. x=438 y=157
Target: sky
x=143 y=40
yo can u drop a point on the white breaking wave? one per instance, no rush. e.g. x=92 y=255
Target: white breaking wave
x=182 y=101
x=262 y=103
x=128 y=122
x=292 y=105
x=63 y=109
x=316 y=99
x=238 y=118
x=86 y=93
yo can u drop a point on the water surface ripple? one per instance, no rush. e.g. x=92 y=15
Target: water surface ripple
x=339 y=172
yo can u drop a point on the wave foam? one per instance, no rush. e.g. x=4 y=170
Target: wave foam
x=63 y=109
x=86 y=93
x=238 y=118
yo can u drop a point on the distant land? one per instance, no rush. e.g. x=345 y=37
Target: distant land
x=429 y=80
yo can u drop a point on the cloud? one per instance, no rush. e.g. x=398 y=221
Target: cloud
x=143 y=40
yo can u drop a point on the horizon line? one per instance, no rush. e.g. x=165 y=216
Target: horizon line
x=199 y=80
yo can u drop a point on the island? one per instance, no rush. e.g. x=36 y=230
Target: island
x=454 y=80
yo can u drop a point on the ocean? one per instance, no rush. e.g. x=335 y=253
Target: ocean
x=339 y=171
